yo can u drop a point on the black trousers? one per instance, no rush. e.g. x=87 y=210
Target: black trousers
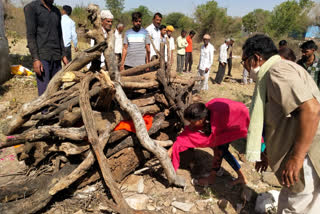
x=189 y=61
x=221 y=72
x=69 y=54
x=229 y=66
x=50 y=68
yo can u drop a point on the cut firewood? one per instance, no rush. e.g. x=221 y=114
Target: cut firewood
x=144 y=101
x=140 y=85
x=139 y=69
x=74 y=122
x=97 y=145
x=144 y=138
x=33 y=195
x=146 y=76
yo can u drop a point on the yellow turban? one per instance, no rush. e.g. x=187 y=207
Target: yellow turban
x=170 y=28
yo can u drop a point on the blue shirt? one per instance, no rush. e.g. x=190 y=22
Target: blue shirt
x=68 y=31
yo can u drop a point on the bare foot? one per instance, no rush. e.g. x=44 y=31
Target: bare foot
x=239 y=180
x=205 y=181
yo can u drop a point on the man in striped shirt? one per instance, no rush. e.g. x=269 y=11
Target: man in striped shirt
x=136 y=45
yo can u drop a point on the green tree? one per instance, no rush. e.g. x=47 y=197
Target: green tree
x=146 y=14
x=179 y=20
x=289 y=17
x=116 y=7
x=256 y=21
x=173 y=19
x=211 y=18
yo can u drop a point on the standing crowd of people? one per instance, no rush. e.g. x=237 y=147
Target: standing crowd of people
x=285 y=106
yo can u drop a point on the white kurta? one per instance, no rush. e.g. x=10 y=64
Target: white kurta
x=223 y=58
x=206 y=61
x=118 y=43
x=156 y=38
x=171 y=45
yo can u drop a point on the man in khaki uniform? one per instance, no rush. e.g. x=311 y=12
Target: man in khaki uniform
x=291 y=113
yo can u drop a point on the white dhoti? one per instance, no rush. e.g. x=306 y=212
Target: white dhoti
x=204 y=83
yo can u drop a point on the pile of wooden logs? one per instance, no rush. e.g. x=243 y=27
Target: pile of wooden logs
x=71 y=126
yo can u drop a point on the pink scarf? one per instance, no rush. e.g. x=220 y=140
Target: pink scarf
x=229 y=122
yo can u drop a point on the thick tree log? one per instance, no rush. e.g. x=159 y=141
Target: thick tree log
x=77 y=134
x=118 y=135
x=95 y=19
x=137 y=78
x=186 y=81
x=171 y=95
x=160 y=98
x=152 y=109
x=144 y=138
x=68 y=119
x=29 y=108
x=140 y=85
x=75 y=101
x=39 y=188
x=164 y=143
x=144 y=101
x=139 y=69
x=70 y=148
x=120 y=148
x=96 y=141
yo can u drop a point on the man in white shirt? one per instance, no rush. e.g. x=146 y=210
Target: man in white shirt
x=106 y=25
x=154 y=33
x=223 y=60
x=118 y=41
x=68 y=31
x=206 y=60
x=170 y=29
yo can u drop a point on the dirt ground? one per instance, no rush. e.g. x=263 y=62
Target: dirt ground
x=20 y=90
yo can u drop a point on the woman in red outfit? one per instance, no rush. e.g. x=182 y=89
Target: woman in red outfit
x=215 y=124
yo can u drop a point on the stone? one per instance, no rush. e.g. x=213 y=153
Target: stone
x=201 y=204
x=267 y=201
x=271 y=179
x=151 y=208
x=186 y=207
x=133 y=183
x=138 y=201
x=223 y=203
x=174 y=210
x=167 y=203
x=4 y=106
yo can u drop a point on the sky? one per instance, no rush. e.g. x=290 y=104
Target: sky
x=234 y=7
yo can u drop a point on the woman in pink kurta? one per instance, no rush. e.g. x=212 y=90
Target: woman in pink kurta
x=215 y=125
